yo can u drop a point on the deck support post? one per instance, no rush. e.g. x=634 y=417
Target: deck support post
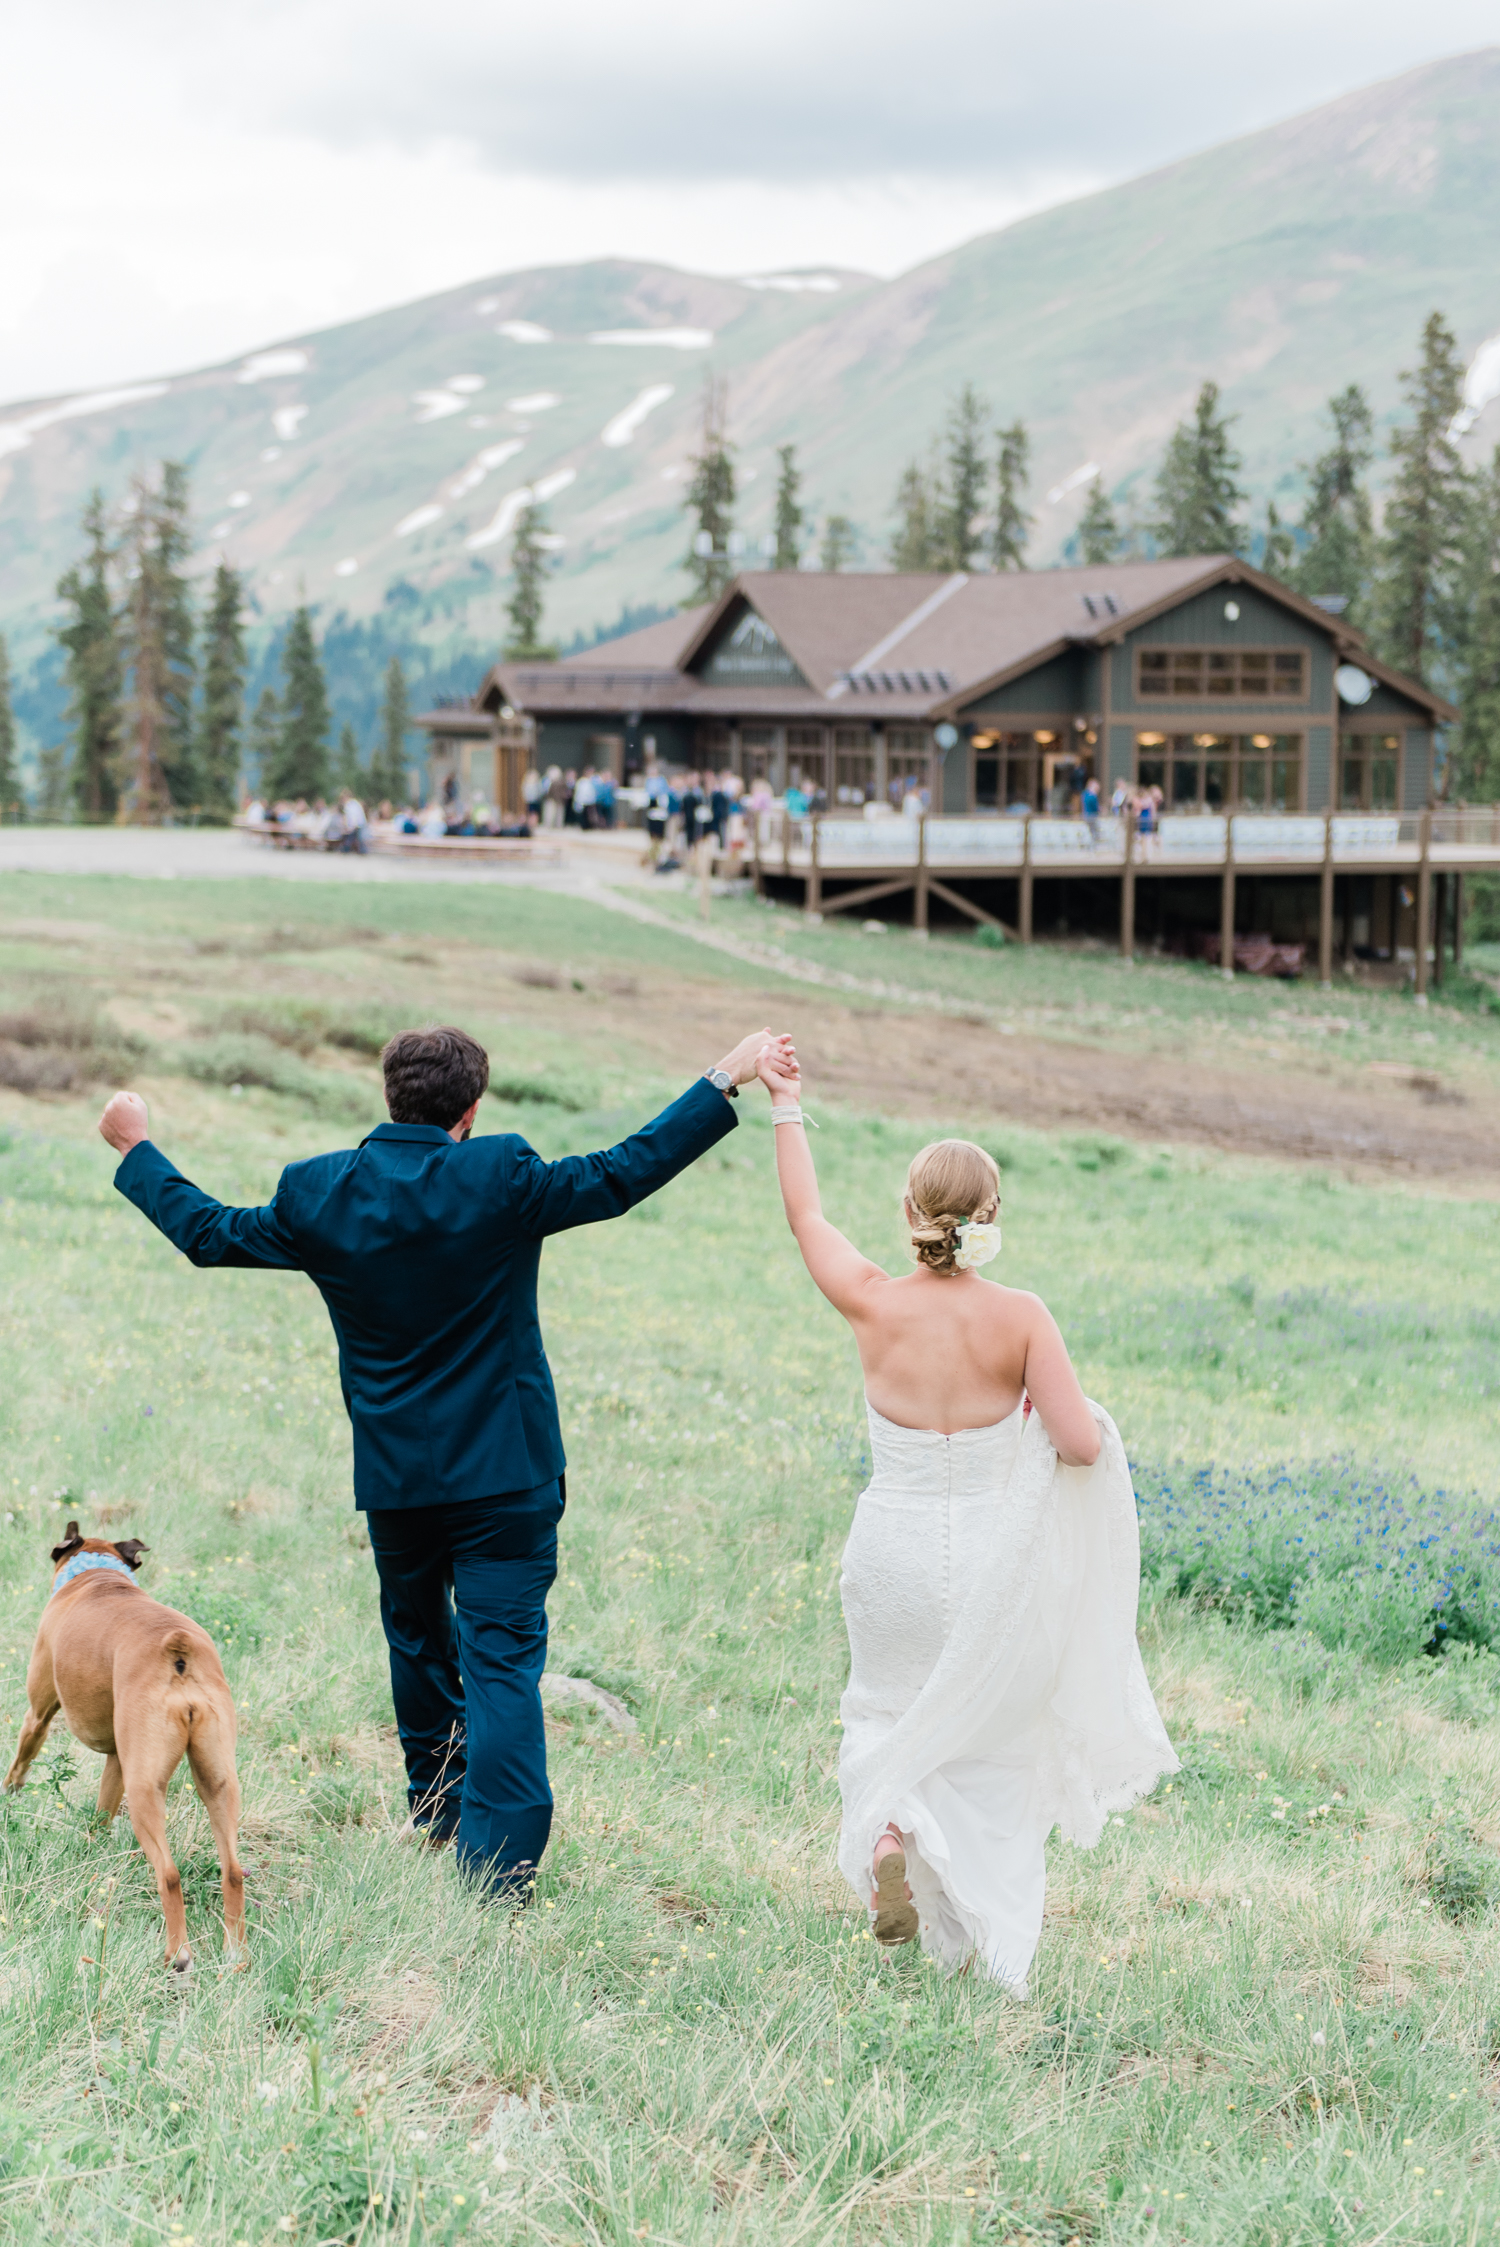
x=759 y=876
x=1458 y=920
x=1127 y=886
x=812 y=896
x=1325 y=907
x=1024 y=919
x=1439 y=927
x=1424 y=906
x=919 y=887
x=1226 y=902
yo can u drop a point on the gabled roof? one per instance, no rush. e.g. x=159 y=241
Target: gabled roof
x=900 y=646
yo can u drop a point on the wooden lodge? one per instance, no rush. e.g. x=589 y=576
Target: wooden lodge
x=940 y=727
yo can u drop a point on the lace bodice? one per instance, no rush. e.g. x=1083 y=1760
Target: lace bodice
x=923 y=1463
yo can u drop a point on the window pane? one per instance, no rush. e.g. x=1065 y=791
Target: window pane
x=1216 y=783
x=1383 y=784
x=1184 y=781
x=1253 y=782
x=1153 y=773
x=1284 y=788
x=1220 y=661
x=986 y=783
x=1351 y=784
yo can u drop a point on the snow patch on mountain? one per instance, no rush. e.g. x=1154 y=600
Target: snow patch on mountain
x=823 y=284
x=524 y=331
x=524 y=495
x=15 y=436
x=674 y=339
x=264 y=366
x=436 y=405
x=629 y=419
x=1481 y=386
x=286 y=421
x=418 y=519
x=1082 y=475
x=535 y=402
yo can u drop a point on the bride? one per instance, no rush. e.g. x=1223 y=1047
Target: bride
x=990 y=1579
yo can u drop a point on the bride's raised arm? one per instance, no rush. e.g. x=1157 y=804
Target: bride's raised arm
x=834 y=1262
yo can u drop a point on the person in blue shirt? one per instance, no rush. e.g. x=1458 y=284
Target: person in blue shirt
x=424 y=1244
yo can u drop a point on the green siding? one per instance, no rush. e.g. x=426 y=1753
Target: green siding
x=1059 y=687
x=1319 y=778
x=1201 y=623
x=1120 y=754
x=1416 y=784
x=953 y=783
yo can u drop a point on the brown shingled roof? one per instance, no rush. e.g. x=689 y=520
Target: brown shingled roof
x=925 y=644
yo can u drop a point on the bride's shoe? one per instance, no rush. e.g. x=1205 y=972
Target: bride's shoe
x=895 y=1913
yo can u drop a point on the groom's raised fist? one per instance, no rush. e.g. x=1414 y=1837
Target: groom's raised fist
x=124 y=1122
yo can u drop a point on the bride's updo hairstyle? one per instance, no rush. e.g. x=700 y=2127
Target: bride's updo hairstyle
x=949 y=1184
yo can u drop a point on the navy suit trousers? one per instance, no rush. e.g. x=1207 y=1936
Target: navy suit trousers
x=463 y=1591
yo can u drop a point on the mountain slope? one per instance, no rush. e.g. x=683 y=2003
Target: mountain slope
x=391 y=451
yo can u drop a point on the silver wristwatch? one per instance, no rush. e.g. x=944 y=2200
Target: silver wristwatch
x=723 y=1082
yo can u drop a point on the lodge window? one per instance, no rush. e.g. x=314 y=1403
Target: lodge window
x=1369 y=771
x=1210 y=771
x=1204 y=674
x=1021 y=772
x=908 y=764
x=807 y=762
x=757 y=752
x=853 y=765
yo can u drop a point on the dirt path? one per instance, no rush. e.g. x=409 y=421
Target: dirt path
x=933 y=1055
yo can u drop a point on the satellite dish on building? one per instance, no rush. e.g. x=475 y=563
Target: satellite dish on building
x=945 y=736
x=1355 y=686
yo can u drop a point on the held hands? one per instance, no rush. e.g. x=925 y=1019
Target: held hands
x=124 y=1122
x=779 y=1071
x=743 y=1062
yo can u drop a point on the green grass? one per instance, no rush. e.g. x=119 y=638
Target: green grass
x=1267 y=2007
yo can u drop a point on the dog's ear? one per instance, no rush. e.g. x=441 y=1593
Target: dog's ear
x=72 y=1541
x=129 y=1550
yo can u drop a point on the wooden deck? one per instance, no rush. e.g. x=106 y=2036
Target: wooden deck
x=844 y=864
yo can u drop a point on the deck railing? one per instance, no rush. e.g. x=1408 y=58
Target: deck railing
x=839 y=842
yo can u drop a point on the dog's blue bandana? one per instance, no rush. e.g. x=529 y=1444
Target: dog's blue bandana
x=82 y=1561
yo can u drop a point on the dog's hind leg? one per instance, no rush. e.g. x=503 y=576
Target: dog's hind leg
x=148 y=1814
x=33 y=1733
x=111 y=1789
x=211 y=1756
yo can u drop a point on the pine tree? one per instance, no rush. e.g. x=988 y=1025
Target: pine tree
x=53 y=788
x=389 y=781
x=1197 y=486
x=1098 y=529
x=173 y=544
x=1338 y=525
x=1423 y=535
x=957 y=538
x=1278 y=545
x=263 y=748
x=10 y=771
x=156 y=626
x=919 y=507
x=839 y=544
x=1013 y=474
x=528 y=563
x=94 y=673
x=222 y=714
x=348 y=771
x=789 y=511
x=1475 y=763
x=710 y=498
x=301 y=766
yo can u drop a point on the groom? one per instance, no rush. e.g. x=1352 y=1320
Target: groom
x=424 y=1244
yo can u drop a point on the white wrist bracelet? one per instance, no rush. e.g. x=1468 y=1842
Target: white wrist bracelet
x=791 y=1115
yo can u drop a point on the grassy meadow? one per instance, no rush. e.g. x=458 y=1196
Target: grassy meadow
x=1266 y=2009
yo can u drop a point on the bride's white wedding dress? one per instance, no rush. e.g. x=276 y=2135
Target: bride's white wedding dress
x=995 y=1687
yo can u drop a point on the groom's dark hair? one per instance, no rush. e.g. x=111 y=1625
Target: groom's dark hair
x=432 y=1076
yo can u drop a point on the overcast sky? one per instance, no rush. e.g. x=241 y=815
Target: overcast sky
x=181 y=181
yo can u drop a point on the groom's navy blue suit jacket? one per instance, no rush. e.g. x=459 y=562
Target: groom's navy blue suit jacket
x=425 y=1250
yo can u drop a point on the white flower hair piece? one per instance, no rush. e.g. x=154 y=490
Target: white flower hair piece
x=977 y=1244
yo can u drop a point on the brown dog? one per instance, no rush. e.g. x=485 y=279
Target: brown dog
x=142 y=1686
